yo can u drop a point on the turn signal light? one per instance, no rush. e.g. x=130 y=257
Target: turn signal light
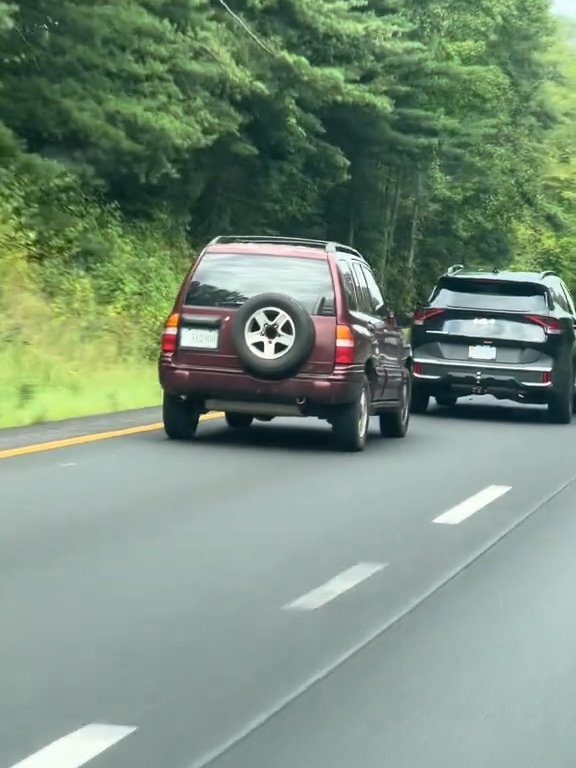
x=345 y=347
x=421 y=316
x=170 y=335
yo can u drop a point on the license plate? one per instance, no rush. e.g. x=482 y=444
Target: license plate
x=199 y=338
x=482 y=352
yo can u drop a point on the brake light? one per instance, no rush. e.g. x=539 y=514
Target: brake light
x=552 y=327
x=417 y=369
x=345 y=347
x=422 y=316
x=170 y=335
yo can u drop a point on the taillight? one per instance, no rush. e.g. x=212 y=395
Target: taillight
x=417 y=369
x=421 y=316
x=345 y=348
x=552 y=327
x=170 y=334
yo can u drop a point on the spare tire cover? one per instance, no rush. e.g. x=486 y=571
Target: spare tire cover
x=273 y=335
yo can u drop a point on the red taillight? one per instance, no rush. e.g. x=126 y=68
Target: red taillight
x=345 y=347
x=421 y=316
x=417 y=369
x=170 y=335
x=552 y=327
x=547 y=377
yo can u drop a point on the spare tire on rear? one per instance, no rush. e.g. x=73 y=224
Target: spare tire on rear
x=273 y=335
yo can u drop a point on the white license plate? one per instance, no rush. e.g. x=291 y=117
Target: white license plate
x=482 y=352
x=199 y=338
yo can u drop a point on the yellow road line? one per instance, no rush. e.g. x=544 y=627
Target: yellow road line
x=53 y=445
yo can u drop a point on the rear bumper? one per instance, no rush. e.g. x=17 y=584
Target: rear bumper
x=463 y=378
x=303 y=392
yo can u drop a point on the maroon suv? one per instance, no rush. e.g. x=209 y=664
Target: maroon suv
x=271 y=326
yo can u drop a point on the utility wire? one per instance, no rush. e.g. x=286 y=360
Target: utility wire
x=245 y=26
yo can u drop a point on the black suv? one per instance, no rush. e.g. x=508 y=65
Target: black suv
x=506 y=334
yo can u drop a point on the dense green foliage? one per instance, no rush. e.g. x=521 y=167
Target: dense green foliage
x=425 y=132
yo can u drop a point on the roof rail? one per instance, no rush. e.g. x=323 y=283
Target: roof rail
x=325 y=245
x=547 y=273
x=454 y=269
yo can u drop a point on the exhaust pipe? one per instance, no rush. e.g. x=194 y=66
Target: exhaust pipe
x=302 y=405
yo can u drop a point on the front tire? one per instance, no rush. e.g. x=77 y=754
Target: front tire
x=180 y=418
x=396 y=424
x=239 y=420
x=446 y=401
x=420 y=401
x=351 y=422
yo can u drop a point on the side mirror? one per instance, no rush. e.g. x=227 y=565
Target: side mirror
x=404 y=319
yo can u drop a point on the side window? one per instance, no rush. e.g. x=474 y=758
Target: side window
x=364 y=302
x=376 y=298
x=348 y=285
x=568 y=297
x=558 y=296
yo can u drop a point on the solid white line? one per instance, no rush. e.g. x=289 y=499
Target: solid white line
x=470 y=506
x=335 y=587
x=77 y=748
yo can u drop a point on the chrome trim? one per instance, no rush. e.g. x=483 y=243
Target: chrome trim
x=541 y=385
x=482 y=364
x=429 y=378
x=255 y=409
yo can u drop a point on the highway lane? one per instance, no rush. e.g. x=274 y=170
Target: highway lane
x=146 y=584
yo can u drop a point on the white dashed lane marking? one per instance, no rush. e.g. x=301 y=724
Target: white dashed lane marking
x=470 y=506
x=335 y=587
x=77 y=748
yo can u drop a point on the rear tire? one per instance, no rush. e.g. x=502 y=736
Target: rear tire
x=239 y=420
x=561 y=403
x=446 y=401
x=351 y=422
x=180 y=418
x=396 y=424
x=420 y=401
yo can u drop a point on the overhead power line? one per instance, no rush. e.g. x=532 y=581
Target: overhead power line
x=245 y=26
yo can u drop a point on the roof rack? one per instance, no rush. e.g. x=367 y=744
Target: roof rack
x=326 y=245
x=547 y=273
x=454 y=269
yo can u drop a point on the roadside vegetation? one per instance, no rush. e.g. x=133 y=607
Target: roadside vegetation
x=424 y=132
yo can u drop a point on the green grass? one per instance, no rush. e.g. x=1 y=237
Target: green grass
x=58 y=363
x=50 y=394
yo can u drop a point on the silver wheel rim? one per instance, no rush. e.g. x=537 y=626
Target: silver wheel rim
x=363 y=415
x=406 y=402
x=270 y=333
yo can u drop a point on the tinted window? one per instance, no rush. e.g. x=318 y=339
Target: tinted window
x=568 y=296
x=487 y=294
x=376 y=299
x=364 y=302
x=226 y=280
x=348 y=285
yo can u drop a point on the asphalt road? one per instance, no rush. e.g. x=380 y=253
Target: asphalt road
x=264 y=601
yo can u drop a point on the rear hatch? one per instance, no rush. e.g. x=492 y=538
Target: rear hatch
x=223 y=281
x=488 y=321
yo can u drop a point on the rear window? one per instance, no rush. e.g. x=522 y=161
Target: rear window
x=227 y=280
x=486 y=294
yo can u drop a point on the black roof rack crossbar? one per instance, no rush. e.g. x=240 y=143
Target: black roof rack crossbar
x=325 y=245
x=547 y=273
